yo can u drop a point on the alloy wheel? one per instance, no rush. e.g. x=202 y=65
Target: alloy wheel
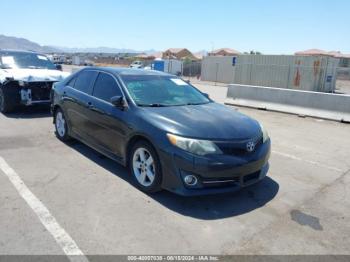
x=144 y=167
x=60 y=124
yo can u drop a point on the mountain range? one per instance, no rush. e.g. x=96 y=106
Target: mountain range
x=16 y=43
x=10 y=42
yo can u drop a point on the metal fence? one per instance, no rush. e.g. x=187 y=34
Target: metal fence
x=191 y=69
x=316 y=73
x=311 y=78
x=343 y=73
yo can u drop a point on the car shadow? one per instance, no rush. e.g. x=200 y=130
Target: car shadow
x=209 y=207
x=37 y=111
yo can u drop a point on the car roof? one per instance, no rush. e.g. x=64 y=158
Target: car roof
x=121 y=71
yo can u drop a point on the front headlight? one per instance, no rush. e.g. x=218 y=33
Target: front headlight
x=195 y=146
x=265 y=134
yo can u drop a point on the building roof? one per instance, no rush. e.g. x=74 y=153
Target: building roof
x=314 y=51
x=198 y=55
x=175 y=50
x=227 y=50
x=340 y=55
x=157 y=54
x=335 y=53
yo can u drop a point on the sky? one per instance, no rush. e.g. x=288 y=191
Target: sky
x=268 y=26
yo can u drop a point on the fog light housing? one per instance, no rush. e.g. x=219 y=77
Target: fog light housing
x=190 y=180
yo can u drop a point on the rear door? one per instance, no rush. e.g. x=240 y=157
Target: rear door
x=77 y=101
x=109 y=125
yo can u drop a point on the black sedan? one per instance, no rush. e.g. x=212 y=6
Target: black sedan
x=169 y=134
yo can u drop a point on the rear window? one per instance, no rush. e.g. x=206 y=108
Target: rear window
x=85 y=81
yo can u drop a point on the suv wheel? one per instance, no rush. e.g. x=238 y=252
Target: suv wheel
x=61 y=126
x=145 y=166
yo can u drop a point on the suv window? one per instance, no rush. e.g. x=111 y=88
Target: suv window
x=106 y=87
x=85 y=80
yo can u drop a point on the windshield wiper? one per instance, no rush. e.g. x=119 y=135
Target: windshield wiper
x=152 y=105
x=196 y=104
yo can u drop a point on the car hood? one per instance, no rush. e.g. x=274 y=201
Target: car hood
x=209 y=121
x=32 y=75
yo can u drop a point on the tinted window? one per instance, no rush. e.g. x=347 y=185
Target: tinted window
x=85 y=80
x=106 y=87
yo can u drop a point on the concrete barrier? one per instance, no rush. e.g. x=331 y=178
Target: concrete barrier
x=305 y=103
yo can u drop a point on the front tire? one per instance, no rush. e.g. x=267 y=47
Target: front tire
x=61 y=126
x=145 y=167
x=6 y=102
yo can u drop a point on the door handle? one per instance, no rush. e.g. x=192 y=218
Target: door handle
x=89 y=105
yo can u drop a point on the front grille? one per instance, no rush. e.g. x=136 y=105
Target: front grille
x=40 y=90
x=251 y=177
x=239 y=148
x=242 y=180
x=220 y=182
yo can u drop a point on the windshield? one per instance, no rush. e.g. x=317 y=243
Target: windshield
x=11 y=60
x=162 y=91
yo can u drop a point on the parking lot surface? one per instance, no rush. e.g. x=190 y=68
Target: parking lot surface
x=303 y=206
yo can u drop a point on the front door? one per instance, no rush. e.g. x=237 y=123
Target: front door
x=108 y=126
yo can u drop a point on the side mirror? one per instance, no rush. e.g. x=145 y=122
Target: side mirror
x=206 y=95
x=59 y=67
x=118 y=101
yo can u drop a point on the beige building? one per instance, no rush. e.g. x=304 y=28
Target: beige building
x=344 y=59
x=314 y=52
x=224 y=52
x=178 y=53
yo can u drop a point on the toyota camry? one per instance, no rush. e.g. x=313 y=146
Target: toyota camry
x=169 y=134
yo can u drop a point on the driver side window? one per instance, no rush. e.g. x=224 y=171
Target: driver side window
x=106 y=87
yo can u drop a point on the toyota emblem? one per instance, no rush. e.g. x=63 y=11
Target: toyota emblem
x=250 y=146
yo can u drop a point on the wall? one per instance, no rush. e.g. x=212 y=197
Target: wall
x=313 y=73
x=316 y=104
x=218 y=69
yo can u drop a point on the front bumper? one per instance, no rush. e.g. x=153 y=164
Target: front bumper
x=35 y=93
x=215 y=174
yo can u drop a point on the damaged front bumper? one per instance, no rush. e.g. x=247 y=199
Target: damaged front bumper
x=32 y=93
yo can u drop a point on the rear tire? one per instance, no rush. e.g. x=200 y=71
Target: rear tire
x=61 y=126
x=145 y=167
x=7 y=103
